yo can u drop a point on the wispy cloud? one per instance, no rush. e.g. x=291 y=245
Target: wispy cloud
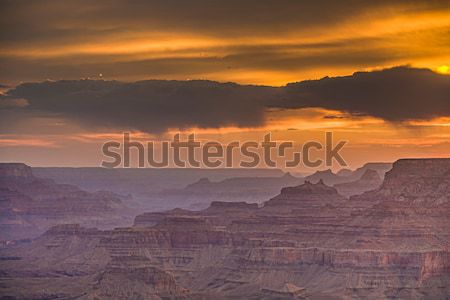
x=257 y=42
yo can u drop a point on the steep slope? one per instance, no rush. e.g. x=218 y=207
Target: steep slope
x=307 y=242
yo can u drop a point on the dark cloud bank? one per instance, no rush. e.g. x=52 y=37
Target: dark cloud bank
x=396 y=95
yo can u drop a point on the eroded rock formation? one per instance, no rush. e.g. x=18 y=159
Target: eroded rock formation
x=30 y=205
x=308 y=242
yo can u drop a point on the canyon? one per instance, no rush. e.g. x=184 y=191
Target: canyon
x=30 y=205
x=164 y=189
x=307 y=242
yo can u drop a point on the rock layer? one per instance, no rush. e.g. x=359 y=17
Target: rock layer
x=30 y=205
x=307 y=242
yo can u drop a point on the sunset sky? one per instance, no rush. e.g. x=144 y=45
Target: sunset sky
x=72 y=75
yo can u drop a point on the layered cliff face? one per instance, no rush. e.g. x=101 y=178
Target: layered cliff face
x=308 y=242
x=413 y=203
x=31 y=205
x=16 y=170
x=419 y=182
x=128 y=277
x=308 y=199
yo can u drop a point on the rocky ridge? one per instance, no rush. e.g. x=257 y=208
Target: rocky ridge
x=200 y=194
x=307 y=242
x=30 y=205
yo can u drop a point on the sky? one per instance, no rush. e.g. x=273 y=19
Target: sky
x=74 y=74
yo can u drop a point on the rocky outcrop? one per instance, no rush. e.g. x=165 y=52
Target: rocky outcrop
x=417 y=182
x=326 y=176
x=424 y=181
x=125 y=277
x=305 y=195
x=308 y=241
x=16 y=171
